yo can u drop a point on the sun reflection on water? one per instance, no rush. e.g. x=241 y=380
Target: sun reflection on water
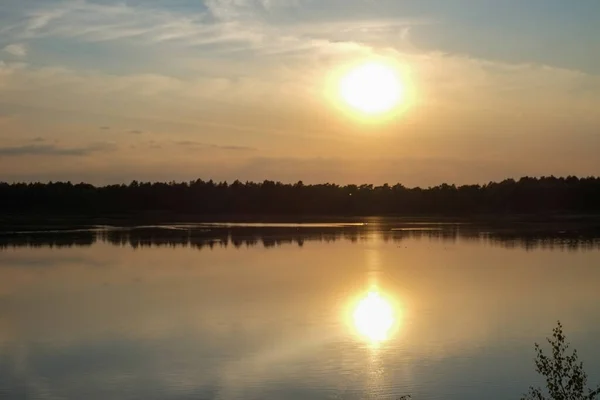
x=374 y=317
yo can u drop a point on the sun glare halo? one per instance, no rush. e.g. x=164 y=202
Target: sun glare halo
x=372 y=88
x=374 y=317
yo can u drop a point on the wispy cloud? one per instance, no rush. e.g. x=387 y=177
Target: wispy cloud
x=104 y=128
x=135 y=131
x=95 y=22
x=235 y=148
x=220 y=25
x=39 y=19
x=153 y=144
x=18 y=50
x=190 y=143
x=52 y=150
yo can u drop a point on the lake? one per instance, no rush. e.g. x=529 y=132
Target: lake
x=291 y=311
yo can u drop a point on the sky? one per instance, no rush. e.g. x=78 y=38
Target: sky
x=107 y=91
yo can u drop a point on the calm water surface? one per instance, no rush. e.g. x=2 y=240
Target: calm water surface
x=289 y=312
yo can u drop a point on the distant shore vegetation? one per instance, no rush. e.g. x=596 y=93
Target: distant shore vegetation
x=527 y=195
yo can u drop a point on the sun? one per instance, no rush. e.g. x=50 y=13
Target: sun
x=374 y=317
x=372 y=88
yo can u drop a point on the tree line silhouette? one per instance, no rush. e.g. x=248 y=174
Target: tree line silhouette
x=524 y=196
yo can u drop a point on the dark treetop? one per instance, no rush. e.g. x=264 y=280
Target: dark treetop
x=547 y=195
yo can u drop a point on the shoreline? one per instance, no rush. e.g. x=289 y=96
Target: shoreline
x=29 y=223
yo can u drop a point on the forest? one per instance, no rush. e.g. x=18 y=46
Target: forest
x=528 y=195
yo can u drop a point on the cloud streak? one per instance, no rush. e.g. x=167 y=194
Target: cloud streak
x=190 y=143
x=52 y=150
x=222 y=26
x=18 y=50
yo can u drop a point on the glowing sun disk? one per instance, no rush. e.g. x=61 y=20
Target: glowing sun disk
x=371 y=88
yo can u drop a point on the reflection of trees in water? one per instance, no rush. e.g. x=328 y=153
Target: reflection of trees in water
x=48 y=239
x=507 y=238
x=241 y=237
x=224 y=237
